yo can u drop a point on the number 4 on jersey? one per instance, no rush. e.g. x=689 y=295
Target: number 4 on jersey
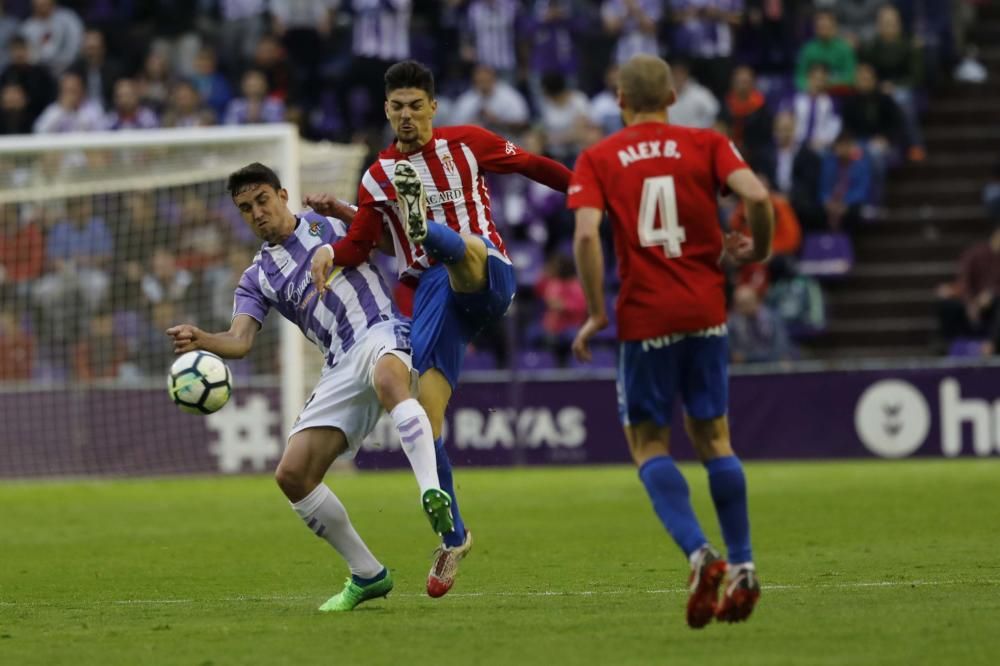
x=659 y=196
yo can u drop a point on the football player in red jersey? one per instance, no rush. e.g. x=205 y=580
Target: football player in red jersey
x=428 y=190
x=659 y=184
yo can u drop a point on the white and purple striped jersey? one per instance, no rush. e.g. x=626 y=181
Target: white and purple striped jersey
x=355 y=298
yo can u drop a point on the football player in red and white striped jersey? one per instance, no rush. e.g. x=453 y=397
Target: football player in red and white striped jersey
x=428 y=189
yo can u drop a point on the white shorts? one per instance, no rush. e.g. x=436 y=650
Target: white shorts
x=344 y=397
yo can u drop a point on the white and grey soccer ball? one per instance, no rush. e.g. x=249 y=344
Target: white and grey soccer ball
x=200 y=382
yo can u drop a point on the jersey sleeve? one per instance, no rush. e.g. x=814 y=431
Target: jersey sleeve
x=585 y=189
x=498 y=155
x=248 y=298
x=365 y=229
x=725 y=158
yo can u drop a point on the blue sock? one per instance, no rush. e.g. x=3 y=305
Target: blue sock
x=358 y=580
x=457 y=536
x=443 y=243
x=671 y=500
x=729 y=493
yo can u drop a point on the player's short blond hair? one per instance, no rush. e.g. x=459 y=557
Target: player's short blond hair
x=645 y=83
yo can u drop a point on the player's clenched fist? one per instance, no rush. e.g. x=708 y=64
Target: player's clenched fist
x=329 y=205
x=186 y=337
x=322 y=264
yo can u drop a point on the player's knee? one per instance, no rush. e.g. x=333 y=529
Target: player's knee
x=643 y=451
x=293 y=481
x=391 y=380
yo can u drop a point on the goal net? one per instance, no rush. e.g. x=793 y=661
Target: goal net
x=106 y=240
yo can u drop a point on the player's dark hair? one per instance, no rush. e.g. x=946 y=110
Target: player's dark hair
x=252 y=174
x=409 y=74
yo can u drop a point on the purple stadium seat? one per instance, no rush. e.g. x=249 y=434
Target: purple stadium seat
x=602 y=357
x=966 y=348
x=479 y=360
x=536 y=360
x=826 y=254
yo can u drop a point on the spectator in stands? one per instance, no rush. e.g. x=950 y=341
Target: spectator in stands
x=563 y=117
x=787 y=230
x=492 y=27
x=36 y=80
x=817 y=122
x=17 y=348
x=98 y=71
x=634 y=25
x=154 y=354
x=154 y=81
x=255 y=106
x=80 y=246
x=54 y=35
x=128 y=113
x=185 y=109
x=270 y=59
x=828 y=48
x=794 y=170
x=747 y=115
x=855 y=18
x=22 y=254
x=766 y=38
x=174 y=30
x=220 y=281
x=968 y=307
x=72 y=112
x=210 y=84
x=164 y=280
x=15 y=117
x=899 y=66
x=756 y=334
x=100 y=352
x=240 y=28
x=491 y=103
x=696 y=106
x=555 y=32
x=873 y=117
x=845 y=181
x=565 y=306
x=604 y=110
x=303 y=27
x=9 y=28
x=703 y=33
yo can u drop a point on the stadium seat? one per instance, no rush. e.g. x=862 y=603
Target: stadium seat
x=528 y=262
x=479 y=360
x=602 y=357
x=536 y=360
x=966 y=348
x=826 y=254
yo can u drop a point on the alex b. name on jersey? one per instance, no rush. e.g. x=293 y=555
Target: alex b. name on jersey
x=645 y=150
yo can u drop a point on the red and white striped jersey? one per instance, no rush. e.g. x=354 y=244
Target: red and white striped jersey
x=452 y=167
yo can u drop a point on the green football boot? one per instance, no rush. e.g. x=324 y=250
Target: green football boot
x=437 y=506
x=354 y=594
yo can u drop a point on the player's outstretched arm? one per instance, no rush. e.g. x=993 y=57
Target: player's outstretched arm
x=499 y=155
x=759 y=214
x=590 y=266
x=234 y=343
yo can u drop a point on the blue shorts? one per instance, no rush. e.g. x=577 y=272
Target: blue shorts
x=444 y=322
x=696 y=366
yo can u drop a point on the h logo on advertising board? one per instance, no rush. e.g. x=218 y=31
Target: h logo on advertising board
x=892 y=418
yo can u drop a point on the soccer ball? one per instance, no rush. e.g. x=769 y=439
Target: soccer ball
x=200 y=382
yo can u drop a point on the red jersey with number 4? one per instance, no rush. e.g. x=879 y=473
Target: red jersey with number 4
x=659 y=184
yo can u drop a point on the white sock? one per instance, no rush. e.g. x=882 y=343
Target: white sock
x=326 y=516
x=418 y=442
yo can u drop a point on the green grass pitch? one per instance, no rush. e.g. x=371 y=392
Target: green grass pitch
x=862 y=563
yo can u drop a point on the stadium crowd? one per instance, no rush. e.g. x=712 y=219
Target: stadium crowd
x=823 y=98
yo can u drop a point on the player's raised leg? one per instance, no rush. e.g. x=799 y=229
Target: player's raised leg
x=435 y=391
x=464 y=256
x=309 y=454
x=728 y=487
x=391 y=378
x=669 y=493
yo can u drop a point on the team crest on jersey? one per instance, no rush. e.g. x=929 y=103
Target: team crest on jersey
x=314 y=229
x=449 y=165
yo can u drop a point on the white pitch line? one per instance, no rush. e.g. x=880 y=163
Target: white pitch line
x=533 y=594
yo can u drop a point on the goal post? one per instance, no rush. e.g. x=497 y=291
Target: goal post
x=107 y=236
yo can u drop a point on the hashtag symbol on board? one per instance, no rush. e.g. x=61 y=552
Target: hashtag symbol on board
x=244 y=435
